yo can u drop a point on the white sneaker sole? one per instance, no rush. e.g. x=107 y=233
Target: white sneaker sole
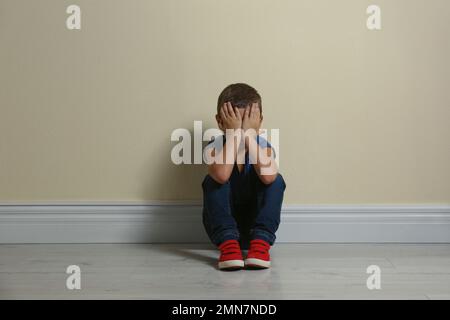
x=258 y=263
x=231 y=264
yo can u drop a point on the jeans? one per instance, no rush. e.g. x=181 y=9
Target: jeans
x=243 y=208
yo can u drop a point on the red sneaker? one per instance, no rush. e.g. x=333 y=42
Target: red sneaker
x=230 y=255
x=258 y=255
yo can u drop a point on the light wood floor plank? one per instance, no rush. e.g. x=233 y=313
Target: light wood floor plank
x=188 y=271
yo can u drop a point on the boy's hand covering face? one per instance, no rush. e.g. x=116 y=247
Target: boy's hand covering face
x=229 y=117
x=252 y=118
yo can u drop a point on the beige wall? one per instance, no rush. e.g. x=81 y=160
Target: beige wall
x=87 y=115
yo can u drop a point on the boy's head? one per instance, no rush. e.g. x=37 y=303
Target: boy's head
x=240 y=95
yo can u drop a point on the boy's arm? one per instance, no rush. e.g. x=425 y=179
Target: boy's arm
x=229 y=119
x=221 y=172
x=262 y=158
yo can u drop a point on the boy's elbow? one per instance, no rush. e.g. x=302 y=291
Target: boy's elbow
x=268 y=179
x=220 y=177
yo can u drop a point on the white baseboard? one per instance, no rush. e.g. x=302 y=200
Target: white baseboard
x=168 y=222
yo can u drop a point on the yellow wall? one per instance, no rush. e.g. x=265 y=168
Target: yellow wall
x=87 y=115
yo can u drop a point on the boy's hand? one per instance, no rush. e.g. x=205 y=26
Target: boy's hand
x=252 y=118
x=229 y=117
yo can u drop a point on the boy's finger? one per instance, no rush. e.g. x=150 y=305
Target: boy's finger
x=236 y=112
x=252 y=111
x=230 y=110
x=246 y=112
x=233 y=111
x=222 y=113
x=257 y=111
x=225 y=109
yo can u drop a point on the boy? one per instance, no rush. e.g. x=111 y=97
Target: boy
x=242 y=199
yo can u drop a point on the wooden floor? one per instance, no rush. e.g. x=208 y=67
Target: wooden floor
x=188 y=271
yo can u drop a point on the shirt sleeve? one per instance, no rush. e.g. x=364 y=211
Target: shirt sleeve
x=215 y=143
x=263 y=143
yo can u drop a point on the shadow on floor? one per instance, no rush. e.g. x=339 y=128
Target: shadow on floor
x=190 y=251
x=208 y=255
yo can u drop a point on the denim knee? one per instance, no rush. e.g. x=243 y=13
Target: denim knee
x=209 y=182
x=278 y=183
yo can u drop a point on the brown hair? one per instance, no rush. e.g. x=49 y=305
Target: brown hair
x=240 y=95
